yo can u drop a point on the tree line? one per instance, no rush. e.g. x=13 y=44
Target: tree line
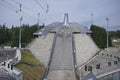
x=10 y=36
x=99 y=36
x=115 y=34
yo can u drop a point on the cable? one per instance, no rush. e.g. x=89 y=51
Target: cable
x=9 y=8
x=28 y=14
x=20 y=5
x=42 y=2
x=45 y=4
x=27 y=11
x=12 y=6
x=24 y=12
x=15 y=1
x=24 y=6
x=47 y=10
x=39 y=4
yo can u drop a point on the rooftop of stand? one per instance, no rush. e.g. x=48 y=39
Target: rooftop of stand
x=53 y=27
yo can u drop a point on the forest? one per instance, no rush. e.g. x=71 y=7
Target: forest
x=10 y=36
x=99 y=35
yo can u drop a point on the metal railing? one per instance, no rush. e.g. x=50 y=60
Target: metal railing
x=110 y=73
x=74 y=58
x=50 y=58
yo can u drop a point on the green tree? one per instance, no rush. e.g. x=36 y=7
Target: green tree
x=10 y=36
x=4 y=34
x=99 y=36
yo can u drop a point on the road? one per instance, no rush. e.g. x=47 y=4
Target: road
x=62 y=66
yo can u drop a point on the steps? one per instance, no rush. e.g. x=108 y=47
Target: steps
x=41 y=48
x=85 y=48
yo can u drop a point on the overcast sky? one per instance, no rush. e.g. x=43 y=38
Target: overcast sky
x=79 y=11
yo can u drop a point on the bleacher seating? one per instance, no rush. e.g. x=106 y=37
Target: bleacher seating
x=8 y=58
x=85 y=48
x=7 y=54
x=41 y=47
x=104 y=58
x=5 y=74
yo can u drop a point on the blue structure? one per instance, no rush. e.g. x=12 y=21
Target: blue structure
x=90 y=76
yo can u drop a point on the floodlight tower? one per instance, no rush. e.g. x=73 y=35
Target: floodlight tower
x=21 y=18
x=66 y=20
x=91 y=18
x=107 y=20
x=38 y=19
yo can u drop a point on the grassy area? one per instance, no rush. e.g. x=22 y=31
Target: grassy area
x=105 y=79
x=31 y=67
x=116 y=43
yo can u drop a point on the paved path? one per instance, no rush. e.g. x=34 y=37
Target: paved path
x=62 y=67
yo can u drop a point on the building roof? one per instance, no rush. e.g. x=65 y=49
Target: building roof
x=53 y=27
x=5 y=74
x=90 y=76
x=6 y=54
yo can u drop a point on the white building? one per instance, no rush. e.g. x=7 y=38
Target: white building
x=8 y=58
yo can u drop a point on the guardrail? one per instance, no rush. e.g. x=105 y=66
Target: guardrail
x=50 y=58
x=110 y=73
x=74 y=51
x=74 y=58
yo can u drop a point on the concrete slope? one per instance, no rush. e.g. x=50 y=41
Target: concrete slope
x=62 y=67
x=85 y=48
x=62 y=57
x=41 y=48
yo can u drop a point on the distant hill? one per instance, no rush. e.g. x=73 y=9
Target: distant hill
x=115 y=28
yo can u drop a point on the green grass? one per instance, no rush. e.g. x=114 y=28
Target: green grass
x=105 y=79
x=28 y=57
x=116 y=43
x=31 y=67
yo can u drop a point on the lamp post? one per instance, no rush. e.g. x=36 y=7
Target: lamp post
x=91 y=18
x=20 y=33
x=107 y=33
x=20 y=27
x=38 y=19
